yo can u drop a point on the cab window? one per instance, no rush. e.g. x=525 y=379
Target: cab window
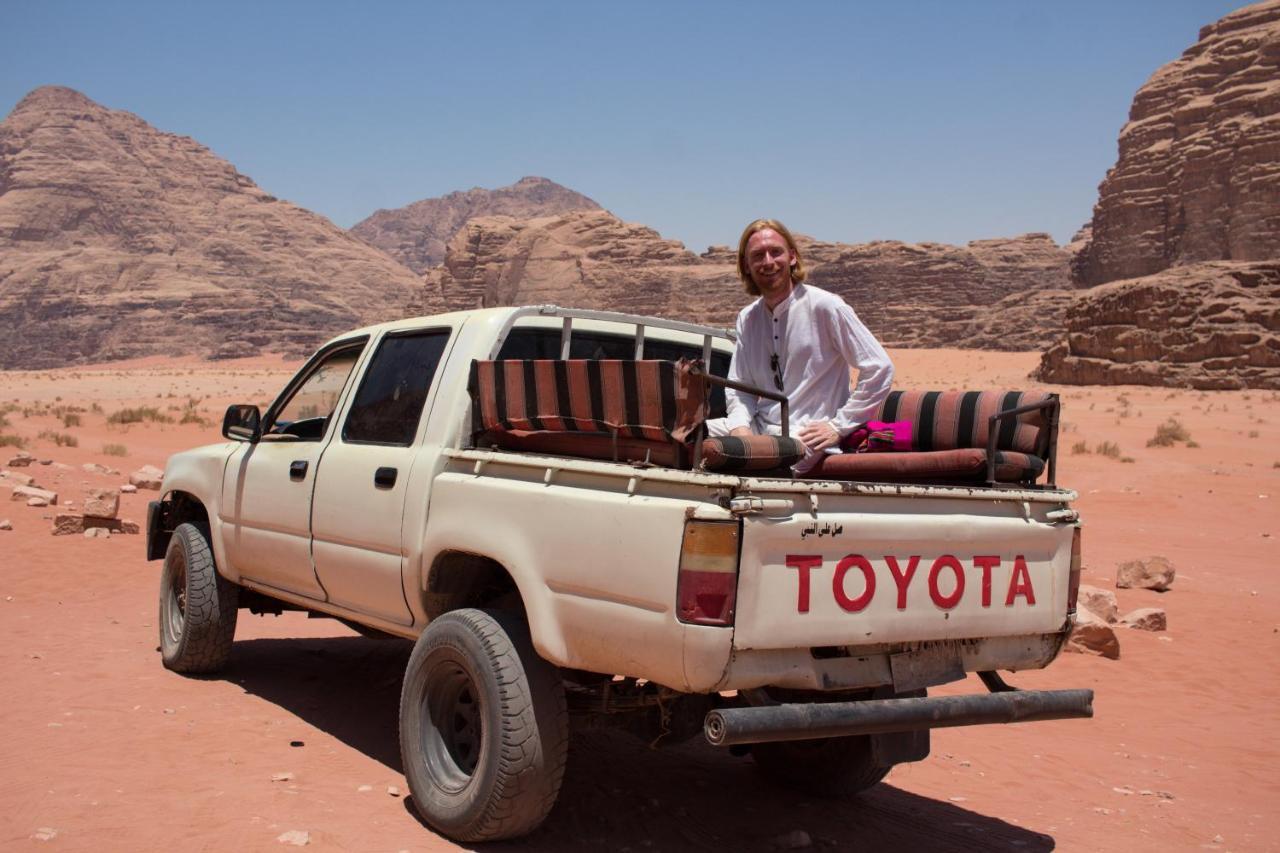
x=305 y=414
x=388 y=404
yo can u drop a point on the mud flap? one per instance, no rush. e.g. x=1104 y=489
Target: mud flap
x=893 y=748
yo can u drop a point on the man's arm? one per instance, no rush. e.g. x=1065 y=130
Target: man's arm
x=859 y=349
x=875 y=371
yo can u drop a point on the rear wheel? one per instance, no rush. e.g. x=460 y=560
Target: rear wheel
x=198 y=606
x=830 y=767
x=484 y=728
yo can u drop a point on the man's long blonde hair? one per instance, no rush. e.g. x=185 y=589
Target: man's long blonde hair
x=797 y=268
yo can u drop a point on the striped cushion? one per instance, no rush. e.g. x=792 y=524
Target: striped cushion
x=751 y=452
x=948 y=420
x=649 y=400
x=966 y=464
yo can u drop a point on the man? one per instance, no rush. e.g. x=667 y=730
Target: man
x=801 y=341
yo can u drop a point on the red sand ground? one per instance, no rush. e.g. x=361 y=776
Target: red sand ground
x=106 y=750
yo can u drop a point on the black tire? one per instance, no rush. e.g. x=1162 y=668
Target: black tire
x=198 y=606
x=484 y=727
x=831 y=767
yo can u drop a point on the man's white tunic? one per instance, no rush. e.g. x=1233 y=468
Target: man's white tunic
x=817 y=338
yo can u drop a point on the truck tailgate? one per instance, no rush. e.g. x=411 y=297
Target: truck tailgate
x=955 y=570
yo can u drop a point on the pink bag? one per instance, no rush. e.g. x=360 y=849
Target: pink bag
x=879 y=437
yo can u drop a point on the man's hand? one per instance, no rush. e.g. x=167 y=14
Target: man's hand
x=819 y=435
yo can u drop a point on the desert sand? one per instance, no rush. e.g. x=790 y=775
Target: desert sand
x=106 y=750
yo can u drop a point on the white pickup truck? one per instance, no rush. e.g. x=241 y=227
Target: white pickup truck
x=798 y=621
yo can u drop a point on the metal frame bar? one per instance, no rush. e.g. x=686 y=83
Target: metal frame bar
x=1047 y=445
x=749 y=389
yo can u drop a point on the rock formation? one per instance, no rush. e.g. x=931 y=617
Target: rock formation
x=1211 y=325
x=997 y=294
x=119 y=240
x=1198 y=176
x=416 y=234
x=1185 y=236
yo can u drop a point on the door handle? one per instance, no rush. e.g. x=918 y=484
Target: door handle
x=384 y=478
x=298 y=469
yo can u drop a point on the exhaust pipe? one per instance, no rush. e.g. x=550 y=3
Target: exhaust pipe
x=809 y=721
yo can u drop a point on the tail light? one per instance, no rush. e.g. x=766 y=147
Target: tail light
x=1073 y=588
x=707 y=588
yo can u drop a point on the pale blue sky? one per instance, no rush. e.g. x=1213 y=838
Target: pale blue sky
x=942 y=121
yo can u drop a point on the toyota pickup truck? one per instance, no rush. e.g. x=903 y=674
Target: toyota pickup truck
x=528 y=495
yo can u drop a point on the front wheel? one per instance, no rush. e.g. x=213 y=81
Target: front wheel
x=484 y=727
x=198 y=606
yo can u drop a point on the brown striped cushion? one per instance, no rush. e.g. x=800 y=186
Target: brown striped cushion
x=966 y=464
x=646 y=400
x=594 y=445
x=949 y=420
x=751 y=452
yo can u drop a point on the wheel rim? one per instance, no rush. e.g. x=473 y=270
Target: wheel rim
x=176 y=611
x=451 y=717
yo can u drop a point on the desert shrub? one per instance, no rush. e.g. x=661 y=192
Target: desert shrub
x=1080 y=447
x=1192 y=443
x=1128 y=459
x=1253 y=433
x=12 y=441
x=114 y=450
x=1109 y=449
x=96 y=408
x=1168 y=433
x=61 y=439
x=70 y=420
x=4 y=422
x=191 y=416
x=138 y=415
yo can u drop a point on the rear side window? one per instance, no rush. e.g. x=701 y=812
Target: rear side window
x=388 y=404
x=545 y=343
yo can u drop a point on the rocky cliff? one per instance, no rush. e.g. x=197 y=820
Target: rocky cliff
x=119 y=240
x=998 y=294
x=1198 y=174
x=1209 y=325
x=1187 y=225
x=416 y=234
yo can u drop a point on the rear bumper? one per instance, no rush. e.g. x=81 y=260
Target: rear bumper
x=808 y=721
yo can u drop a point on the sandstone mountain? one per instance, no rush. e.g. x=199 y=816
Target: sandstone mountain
x=909 y=294
x=1188 y=221
x=119 y=240
x=416 y=234
x=1198 y=176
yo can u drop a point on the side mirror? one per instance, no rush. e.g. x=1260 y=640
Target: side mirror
x=242 y=423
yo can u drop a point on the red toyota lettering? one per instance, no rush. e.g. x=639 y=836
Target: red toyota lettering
x=986 y=564
x=1020 y=583
x=853 y=605
x=901 y=579
x=946 y=561
x=804 y=563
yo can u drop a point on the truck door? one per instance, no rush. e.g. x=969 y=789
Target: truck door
x=267 y=486
x=364 y=475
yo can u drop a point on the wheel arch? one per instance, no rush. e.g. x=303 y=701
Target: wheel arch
x=164 y=516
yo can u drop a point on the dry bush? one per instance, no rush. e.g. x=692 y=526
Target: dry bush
x=70 y=419
x=138 y=415
x=1080 y=447
x=114 y=450
x=12 y=441
x=1109 y=449
x=61 y=439
x=1168 y=433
